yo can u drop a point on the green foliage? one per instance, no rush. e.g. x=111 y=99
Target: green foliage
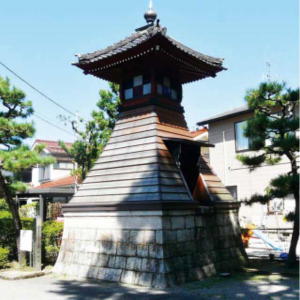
x=4 y=252
x=272 y=132
x=15 y=157
x=7 y=231
x=28 y=210
x=3 y=205
x=273 y=126
x=52 y=234
x=96 y=132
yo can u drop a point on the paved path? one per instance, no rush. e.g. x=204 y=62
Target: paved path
x=240 y=286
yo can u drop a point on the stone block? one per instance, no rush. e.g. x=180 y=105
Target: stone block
x=170 y=236
x=142 y=250
x=101 y=273
x=129 y=277
x=111 y=274
x=148 y=236
x=94 y=258
x=145 y=279
x=189 y=222
x=82 y=271
x=120 y=262
x=159 y=281
x=92 y=272
x=166 y=223
x=163 y=266
x=111 y=261
x=126 y=249
x=108 y=247
x=177 y=222
x=149 y=265
x=181 y=235
x=156 y=251
x=102 y=260
x=135 y=236
x=159 y=237
x=133 y=263
x=199 y=221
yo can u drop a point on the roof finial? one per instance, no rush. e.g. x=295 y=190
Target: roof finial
x=150 y=15
x=150 y=5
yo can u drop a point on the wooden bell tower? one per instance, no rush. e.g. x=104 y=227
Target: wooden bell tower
x=143 y=210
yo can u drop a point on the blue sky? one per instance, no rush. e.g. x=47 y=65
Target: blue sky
x=39 y=40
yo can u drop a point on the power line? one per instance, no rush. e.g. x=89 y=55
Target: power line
x=52 y=124
x=37 y=90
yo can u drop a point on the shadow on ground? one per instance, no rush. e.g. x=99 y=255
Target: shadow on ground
x=246 y=285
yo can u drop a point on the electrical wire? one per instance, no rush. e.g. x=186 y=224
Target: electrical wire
x=52 y=124
x=38 y=91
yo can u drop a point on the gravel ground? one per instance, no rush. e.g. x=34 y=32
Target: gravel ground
x=240 y=286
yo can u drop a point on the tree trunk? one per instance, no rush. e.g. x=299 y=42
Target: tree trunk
x=292 y=259
x=13 y=207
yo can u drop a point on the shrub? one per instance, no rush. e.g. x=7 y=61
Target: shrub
x=4 y=252
x=52 y=233
x=28 y=210
x=7 y=232
x=3 y=205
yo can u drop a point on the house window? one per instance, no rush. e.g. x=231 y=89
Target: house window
x=241 y=141
x=44 y=173
x=63 y=165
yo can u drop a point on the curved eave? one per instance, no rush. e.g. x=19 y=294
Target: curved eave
x=196 y=65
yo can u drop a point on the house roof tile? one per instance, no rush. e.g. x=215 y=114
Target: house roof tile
x=225 y=115
x=53 y=146
x=66 y=181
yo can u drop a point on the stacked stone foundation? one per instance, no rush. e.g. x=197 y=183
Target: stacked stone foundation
x=150 y=248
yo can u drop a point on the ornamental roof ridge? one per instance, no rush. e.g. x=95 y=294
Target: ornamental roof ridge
x=129 y=42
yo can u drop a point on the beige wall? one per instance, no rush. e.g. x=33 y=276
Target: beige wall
x=233 y=173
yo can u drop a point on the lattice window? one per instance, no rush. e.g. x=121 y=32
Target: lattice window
x=138 y=86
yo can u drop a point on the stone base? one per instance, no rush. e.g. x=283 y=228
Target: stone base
x=150 y=248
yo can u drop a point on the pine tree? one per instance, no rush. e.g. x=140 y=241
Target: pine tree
x=15 y=156
x=96 y=132
x=273 y=133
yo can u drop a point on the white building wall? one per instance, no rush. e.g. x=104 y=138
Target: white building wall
x=59 y=173
x=54 y=173
x=232 y=173
x=35 y=176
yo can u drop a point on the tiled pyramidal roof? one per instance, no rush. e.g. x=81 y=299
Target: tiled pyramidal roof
x=140 y=37
x=153 y=40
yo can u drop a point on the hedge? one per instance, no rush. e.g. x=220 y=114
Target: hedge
x=4 y=253
x=51 y=236
x=7 y=232
x=52 y=233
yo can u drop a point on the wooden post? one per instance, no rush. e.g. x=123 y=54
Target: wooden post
x=37 y=254
x=21 y=254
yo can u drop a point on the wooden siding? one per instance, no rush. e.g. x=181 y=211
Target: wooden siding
x=215 y=189
x=136 y=164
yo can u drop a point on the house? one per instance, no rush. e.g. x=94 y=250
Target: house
x=60 y=169
x=53 y=183
x=226 y=133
